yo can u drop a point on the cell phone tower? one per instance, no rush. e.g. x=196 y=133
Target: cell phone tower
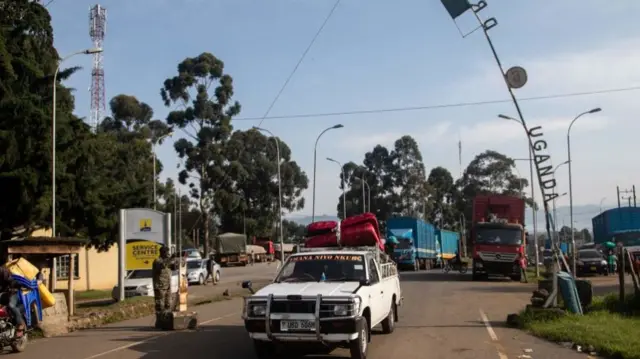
x=97 y=29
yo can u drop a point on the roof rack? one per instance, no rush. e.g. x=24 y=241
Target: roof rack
x=379 y=255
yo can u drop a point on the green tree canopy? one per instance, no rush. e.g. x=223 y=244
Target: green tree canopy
x=204 y=92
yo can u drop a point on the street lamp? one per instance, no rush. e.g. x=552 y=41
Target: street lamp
x=315 y=148
x=344 y=196
x=533 y=197
x=53 y=134
x=364 y=208
x=573 y=238
x=279 y=189
x=555 y=223
x=153 y=149
x=602 y=200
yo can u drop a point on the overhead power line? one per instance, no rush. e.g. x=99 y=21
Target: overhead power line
x=304 y=54
x=439 y=106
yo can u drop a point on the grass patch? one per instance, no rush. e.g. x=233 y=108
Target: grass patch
x=92 y=295
x=602 y=327
x=531 y=275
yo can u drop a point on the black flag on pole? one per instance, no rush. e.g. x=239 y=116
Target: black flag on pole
x=456 y=7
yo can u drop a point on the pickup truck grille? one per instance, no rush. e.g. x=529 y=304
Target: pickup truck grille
x=293 y=306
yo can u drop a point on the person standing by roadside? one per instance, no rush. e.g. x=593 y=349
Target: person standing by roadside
x=162 y=270
x=522 y=263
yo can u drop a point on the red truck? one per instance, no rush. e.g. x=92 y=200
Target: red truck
x=497 y=235
x=267 y=244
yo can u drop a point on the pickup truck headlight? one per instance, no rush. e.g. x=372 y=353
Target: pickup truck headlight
x=144 y=288
x=257 y=310
x=341 y=310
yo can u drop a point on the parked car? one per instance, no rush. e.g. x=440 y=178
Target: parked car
x=191 y=253
x=140 y=283
x=197 y=271
x=591 y=261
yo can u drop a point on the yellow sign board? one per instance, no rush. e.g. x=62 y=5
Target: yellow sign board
x=145 y=225
x=140 y=254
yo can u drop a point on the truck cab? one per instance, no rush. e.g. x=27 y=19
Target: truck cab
x=324 y=298
x=498 y=236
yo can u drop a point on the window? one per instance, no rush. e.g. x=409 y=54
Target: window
x=62 y=267
x=373 y=272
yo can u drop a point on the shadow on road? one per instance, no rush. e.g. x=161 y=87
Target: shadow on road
x=209 y=341
x=507 y=288
x=435 y=275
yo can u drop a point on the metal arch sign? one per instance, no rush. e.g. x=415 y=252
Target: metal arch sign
x=516 y=77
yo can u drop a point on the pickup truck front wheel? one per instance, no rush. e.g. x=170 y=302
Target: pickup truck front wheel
x=359 y=346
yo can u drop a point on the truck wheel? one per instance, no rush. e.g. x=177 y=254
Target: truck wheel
x=389 y=323
x=263 y=349
x=358 y=347
x=516 y=278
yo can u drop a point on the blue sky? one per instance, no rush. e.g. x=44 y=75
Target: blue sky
x=379 y=54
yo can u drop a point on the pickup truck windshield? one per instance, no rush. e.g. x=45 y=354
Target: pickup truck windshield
x=140 y=274
x=507 y=236
x=323 y=267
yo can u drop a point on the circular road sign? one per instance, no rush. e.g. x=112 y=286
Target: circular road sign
x=516 y=77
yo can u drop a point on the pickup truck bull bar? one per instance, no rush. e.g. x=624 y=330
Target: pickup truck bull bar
x=318 y=299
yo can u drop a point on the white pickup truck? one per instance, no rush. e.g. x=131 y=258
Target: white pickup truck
x=324 y=298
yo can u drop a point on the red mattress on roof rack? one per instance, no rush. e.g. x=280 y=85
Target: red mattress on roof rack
x=355 y=231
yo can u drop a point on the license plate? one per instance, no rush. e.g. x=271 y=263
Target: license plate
x=306 y=325
x=593 y=268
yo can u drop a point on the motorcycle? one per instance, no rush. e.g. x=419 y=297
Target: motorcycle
x=30 y=307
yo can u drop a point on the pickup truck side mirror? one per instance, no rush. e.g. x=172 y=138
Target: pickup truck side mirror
x=248 y=285
x=364 y=282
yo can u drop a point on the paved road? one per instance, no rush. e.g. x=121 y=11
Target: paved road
x=444 y=316
x=232 y=277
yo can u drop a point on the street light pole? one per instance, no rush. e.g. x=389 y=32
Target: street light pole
x=555 y=219
x=573 y=238
x=153 y=149
x=364 y=202
x=279 y=190
x=344 y=185
x=315 y=150
x=533 y=196
x=53 y=134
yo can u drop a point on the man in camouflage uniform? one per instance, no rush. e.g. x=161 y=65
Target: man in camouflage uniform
x=162 y=270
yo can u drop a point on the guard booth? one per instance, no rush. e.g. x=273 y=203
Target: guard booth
x=142 y=232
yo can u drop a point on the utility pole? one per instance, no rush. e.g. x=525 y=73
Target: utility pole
x=631 y=194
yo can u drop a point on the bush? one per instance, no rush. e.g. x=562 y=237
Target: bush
x=611 y=303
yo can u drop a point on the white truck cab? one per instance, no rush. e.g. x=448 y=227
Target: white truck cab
x=332 y=297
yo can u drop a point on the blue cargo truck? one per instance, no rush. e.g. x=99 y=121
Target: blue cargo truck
x=617 y=225
x=416 y=248
x=448 y=244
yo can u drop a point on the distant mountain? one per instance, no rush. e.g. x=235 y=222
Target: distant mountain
x=305 y=220
x=582 y=216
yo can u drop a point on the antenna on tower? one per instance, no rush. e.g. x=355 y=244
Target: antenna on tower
x=97 y=29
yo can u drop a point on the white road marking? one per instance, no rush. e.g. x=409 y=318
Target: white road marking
x=493 y=335
x=156 y=336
